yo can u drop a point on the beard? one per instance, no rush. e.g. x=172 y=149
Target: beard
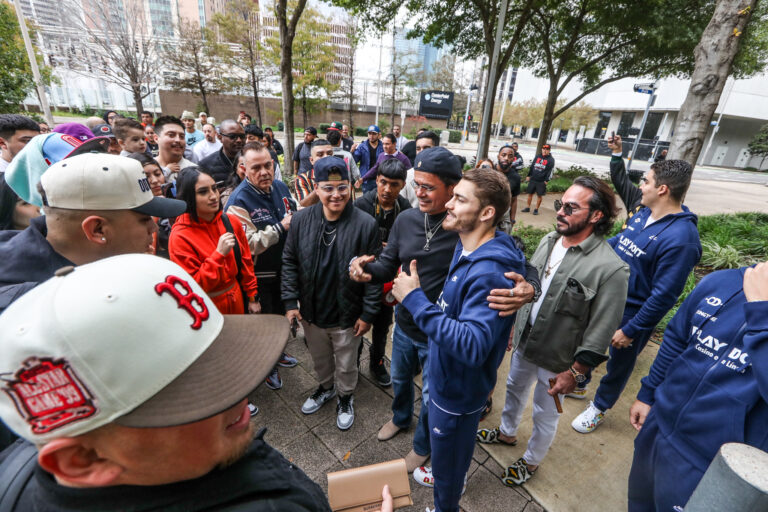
x=239 y=450
x=505 y=165
x=571 y=228
x=460 y=225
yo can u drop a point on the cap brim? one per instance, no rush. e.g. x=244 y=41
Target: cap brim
x=96 y=144
x=238 y=360
x=163 y=207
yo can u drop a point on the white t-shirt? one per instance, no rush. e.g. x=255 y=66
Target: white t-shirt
x=3 y=164
x=650 y=220
x=553 y=263
x=204 y=148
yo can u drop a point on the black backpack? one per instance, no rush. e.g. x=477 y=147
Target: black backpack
x=15 y=472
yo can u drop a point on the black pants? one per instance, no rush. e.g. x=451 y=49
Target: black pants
x=379 y=332
x=269 y=296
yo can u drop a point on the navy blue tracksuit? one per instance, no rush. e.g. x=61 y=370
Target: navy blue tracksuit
x=708 y=386
x=467 y=341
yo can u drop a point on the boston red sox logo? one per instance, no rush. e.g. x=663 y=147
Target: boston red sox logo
x=191 y=302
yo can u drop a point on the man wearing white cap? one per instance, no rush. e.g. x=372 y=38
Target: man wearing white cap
x=148 y=413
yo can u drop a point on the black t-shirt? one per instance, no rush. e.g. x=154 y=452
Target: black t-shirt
x=327 y=279
x=346 y=144
x=301 y=154
x=372 y=156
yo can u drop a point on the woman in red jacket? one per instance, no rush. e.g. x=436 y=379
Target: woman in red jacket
x=200 y=243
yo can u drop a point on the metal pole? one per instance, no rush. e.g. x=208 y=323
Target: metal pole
x=33 y=64
x=717 y=126
x=469 y=102
x=489 y=97
x=642 y=127
x=504 y=100
x=378 y=88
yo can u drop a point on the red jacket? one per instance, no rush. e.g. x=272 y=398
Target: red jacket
x=192 y=245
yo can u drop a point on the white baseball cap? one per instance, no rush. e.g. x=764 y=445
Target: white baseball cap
x=131 y=339
x=100 y=181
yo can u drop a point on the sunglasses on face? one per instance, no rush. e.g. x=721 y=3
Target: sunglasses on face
x=568 y=208
x=425 y=188
x=233 y=136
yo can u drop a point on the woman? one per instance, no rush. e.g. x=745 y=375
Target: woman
x=485 y=163
x=156 y=180
x=15 y=213
x=202 y=245
x=109 y=117
x=234 y=179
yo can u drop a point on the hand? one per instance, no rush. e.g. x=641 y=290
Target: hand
x=564 y=383
x=226 y=243
x=637 y=414
x=361 y=327
x=359 y=183
x=756 y=283
x=509 y=300
x=354 y=147
x=620 y=340
x=356 y=272
x=286 y=222
x=510 y=343
x=254 y=308
x=291 y=314
x=405 y=284
x=387 y=505
x=615 y=145
x=174 y=167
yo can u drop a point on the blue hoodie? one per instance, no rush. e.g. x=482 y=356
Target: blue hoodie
x=467 y=339
x=660 y=257
x=709 y=384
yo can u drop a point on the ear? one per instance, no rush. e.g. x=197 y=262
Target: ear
x=596 y=216
x=487 y=213
x=95 y=229
x=3 y=143
x=663 y=190
x=77 y=465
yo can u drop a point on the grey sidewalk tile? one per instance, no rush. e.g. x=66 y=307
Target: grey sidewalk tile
x=480 y=455
x=308 y=453
x=370 y=451
x=283 y=426
x=485 y=493
x=298 y=384
x=534 y=507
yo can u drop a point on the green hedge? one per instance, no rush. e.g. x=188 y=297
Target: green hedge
x=361 y=131
x=323 y=127
x=454 y=136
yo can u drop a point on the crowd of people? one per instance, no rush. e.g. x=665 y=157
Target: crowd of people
x=151 y=271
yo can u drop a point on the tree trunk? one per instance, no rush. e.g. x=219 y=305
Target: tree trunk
x=548 y=118
x=286 y=60
x=304 y=115
x=204 y=96
x=713 y=62
x=255 y=84
x=137 y=99
x=351 y=106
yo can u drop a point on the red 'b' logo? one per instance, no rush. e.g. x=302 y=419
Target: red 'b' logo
x=189 y=300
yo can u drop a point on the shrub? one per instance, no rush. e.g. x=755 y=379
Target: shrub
x=361 y=131
x=323 y=127
x=383 y=125
x=531 y=236
x=280 y=126
x=454 y=136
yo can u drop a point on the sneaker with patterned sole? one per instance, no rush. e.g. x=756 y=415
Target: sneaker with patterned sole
x=423 y=475
x=273 y=380
x=578 y=393
x=588 y=420
x=317 y=399
x=492 y=436
x=287 y=361
x=517 y=473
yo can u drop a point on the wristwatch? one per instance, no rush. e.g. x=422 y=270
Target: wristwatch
x=577 y=375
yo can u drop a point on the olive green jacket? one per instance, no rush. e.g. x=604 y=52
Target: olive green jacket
x=582 y=308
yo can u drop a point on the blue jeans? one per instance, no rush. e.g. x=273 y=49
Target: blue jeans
x=406 y=354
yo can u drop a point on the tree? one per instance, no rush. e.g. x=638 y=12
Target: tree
x=239 y=25
x=287 y=20
x=714 y=56
x=345 y=63
x=196 y=57
x=758 y=146
x=16 y=80
x=124 y=51
x=401 y=80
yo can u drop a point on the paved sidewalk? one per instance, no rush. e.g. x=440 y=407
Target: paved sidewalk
x=316 y=445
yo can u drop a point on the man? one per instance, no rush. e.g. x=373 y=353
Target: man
x=306 y=190
x=253 y=133
x=221 y=164
x=171 y=145
x=105 y=130
x=409 y=149
x=335 y=140
x=509 y=164
x=147 y=118
x=335 y=311
x=301 y=154
x=112 y=423
x=202 y=120
x=265 y=207
x=192 y=135
x=348 y=141
x=44 y=128
x=425 y=139
x=151 y=139
x=206 y=147
x=707 y=387
x=275 y=143
x=539 y=175
x=467 y=339
x=389 y=143
x=566 y=331
x=401 y=140
x=661 y=156
x=130 y=136
x=367 y=153
x=15 y=132
x=661 y=246
x=384 y=204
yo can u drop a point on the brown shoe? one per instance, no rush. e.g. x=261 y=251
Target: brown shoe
x=413 y=460
x=388 y=431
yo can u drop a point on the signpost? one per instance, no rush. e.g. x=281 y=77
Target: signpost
x=650 y=90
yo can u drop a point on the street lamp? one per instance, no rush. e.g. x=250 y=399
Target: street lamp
x=473 y=87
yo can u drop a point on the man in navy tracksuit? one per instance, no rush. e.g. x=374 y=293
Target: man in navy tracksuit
x=661 y=246
x=467 y=339
x=708 y=386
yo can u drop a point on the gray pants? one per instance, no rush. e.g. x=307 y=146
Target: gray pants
x=334 y=354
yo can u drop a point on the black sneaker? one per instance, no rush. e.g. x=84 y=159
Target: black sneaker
x=525 y=210
x=381 y=375
x=536 y=211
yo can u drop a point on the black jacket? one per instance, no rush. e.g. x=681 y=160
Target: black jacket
x=367 y=202
x=217 y=165
x=409 y=150
x=357 y=235
x=630 y=194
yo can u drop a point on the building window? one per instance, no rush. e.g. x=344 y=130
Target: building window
x=627 y=118
x=602 y=124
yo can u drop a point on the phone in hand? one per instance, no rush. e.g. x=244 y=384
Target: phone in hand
x=294 y=327
x=613 y=138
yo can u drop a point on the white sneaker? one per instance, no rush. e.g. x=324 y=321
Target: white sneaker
x=423 y=476
x=318 y=398
x=345 y=412
x=578 y=393
x=588 y=420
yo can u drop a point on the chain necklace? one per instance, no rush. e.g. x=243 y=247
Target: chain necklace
x=551 y=266
x=329 y=233
x=430 y=233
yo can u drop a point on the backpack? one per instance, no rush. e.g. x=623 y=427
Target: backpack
x=15 y=472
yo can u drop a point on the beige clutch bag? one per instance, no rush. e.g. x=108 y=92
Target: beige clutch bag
x=359 y=489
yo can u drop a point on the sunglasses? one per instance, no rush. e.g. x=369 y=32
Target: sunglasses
x=425 y=188
x=568 y=208
x=240 y=136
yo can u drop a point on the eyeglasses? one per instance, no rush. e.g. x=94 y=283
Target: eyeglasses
x=568 y=208
x=240 y=136
x=329 y=189
x=425 y=188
